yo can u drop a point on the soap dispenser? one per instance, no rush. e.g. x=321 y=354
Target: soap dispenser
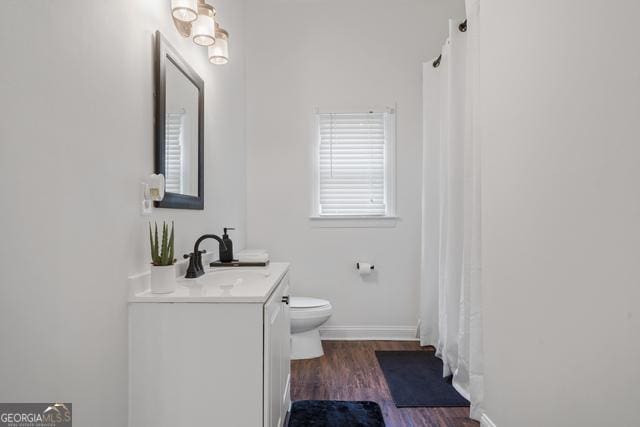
x=226 y=255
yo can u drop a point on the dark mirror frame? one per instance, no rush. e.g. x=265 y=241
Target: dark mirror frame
x=165 y=52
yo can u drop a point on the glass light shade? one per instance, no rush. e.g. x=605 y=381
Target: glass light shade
x=184 y=10
x=219 y=51
x=204 y=27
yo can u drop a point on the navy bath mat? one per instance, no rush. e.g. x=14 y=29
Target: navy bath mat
x=415 y=379
x=335 y=413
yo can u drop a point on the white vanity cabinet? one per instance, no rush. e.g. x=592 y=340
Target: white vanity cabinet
x=210 y=355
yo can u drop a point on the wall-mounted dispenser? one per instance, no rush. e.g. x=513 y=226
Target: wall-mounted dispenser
x=152 y=191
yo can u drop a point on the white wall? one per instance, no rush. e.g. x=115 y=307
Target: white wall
x=560 y=88
x=338 y=54
x=76 y=133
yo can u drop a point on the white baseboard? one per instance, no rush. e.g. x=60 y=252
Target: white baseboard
x=364 y=333
x=485 y=421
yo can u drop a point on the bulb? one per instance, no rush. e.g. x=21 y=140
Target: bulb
x=219 y=51
x=204 y=27
x=184 y=10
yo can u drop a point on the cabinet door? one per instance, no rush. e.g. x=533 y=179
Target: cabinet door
x=276 y=356
x=285 y=360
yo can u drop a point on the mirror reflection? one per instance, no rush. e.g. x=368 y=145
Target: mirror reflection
x=181 y=133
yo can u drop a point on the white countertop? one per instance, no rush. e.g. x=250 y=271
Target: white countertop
x=221 y=285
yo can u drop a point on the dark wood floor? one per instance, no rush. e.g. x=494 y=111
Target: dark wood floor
x=349 y=371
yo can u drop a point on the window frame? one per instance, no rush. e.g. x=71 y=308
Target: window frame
x=390 y=216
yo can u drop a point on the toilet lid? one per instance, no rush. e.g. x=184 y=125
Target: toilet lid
x=307 y=302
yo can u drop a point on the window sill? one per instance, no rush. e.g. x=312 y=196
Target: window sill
x=353 y=221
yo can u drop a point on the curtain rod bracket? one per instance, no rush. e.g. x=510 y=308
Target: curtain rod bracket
x=436 y=63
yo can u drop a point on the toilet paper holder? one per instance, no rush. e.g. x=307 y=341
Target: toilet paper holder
x=358 y=266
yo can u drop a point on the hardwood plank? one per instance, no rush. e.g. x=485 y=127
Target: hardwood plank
x=349 y=371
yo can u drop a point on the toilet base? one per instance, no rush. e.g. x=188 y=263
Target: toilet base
x=306 y=345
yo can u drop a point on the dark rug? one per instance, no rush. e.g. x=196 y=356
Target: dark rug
x=415 y=379
x=335 y=413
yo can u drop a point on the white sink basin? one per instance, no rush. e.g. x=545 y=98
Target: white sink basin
x=228 y=279
x=232 y=282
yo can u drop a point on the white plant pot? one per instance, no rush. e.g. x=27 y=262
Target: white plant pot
x=163 y=279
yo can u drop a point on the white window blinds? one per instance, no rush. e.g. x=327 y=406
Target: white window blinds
x=352 y=164
x=173 y=152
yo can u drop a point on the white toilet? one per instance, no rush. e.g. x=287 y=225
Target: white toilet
x=307 y=315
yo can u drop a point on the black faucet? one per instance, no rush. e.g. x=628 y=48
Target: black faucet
x=195 y=268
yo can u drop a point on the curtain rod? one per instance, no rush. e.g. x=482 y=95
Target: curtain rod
x=463 y=29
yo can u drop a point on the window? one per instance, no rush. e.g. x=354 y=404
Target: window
x=174 y=134
x=354 y=156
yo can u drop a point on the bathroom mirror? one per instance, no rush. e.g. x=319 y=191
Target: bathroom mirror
x=179 y=128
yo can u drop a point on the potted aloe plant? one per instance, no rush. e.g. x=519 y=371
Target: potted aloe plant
x=163 y=272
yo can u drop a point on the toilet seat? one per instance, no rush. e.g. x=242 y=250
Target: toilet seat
x=309 y=308
x=305 y=303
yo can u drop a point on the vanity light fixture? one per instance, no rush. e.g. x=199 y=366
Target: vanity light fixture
x=184 y=10
x=219 y=51
x=196 y=19
x=204 y=27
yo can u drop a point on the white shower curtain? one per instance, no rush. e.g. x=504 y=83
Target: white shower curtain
x=451 y=317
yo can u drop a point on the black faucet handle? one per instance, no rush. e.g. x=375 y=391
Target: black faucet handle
x=190 y=254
